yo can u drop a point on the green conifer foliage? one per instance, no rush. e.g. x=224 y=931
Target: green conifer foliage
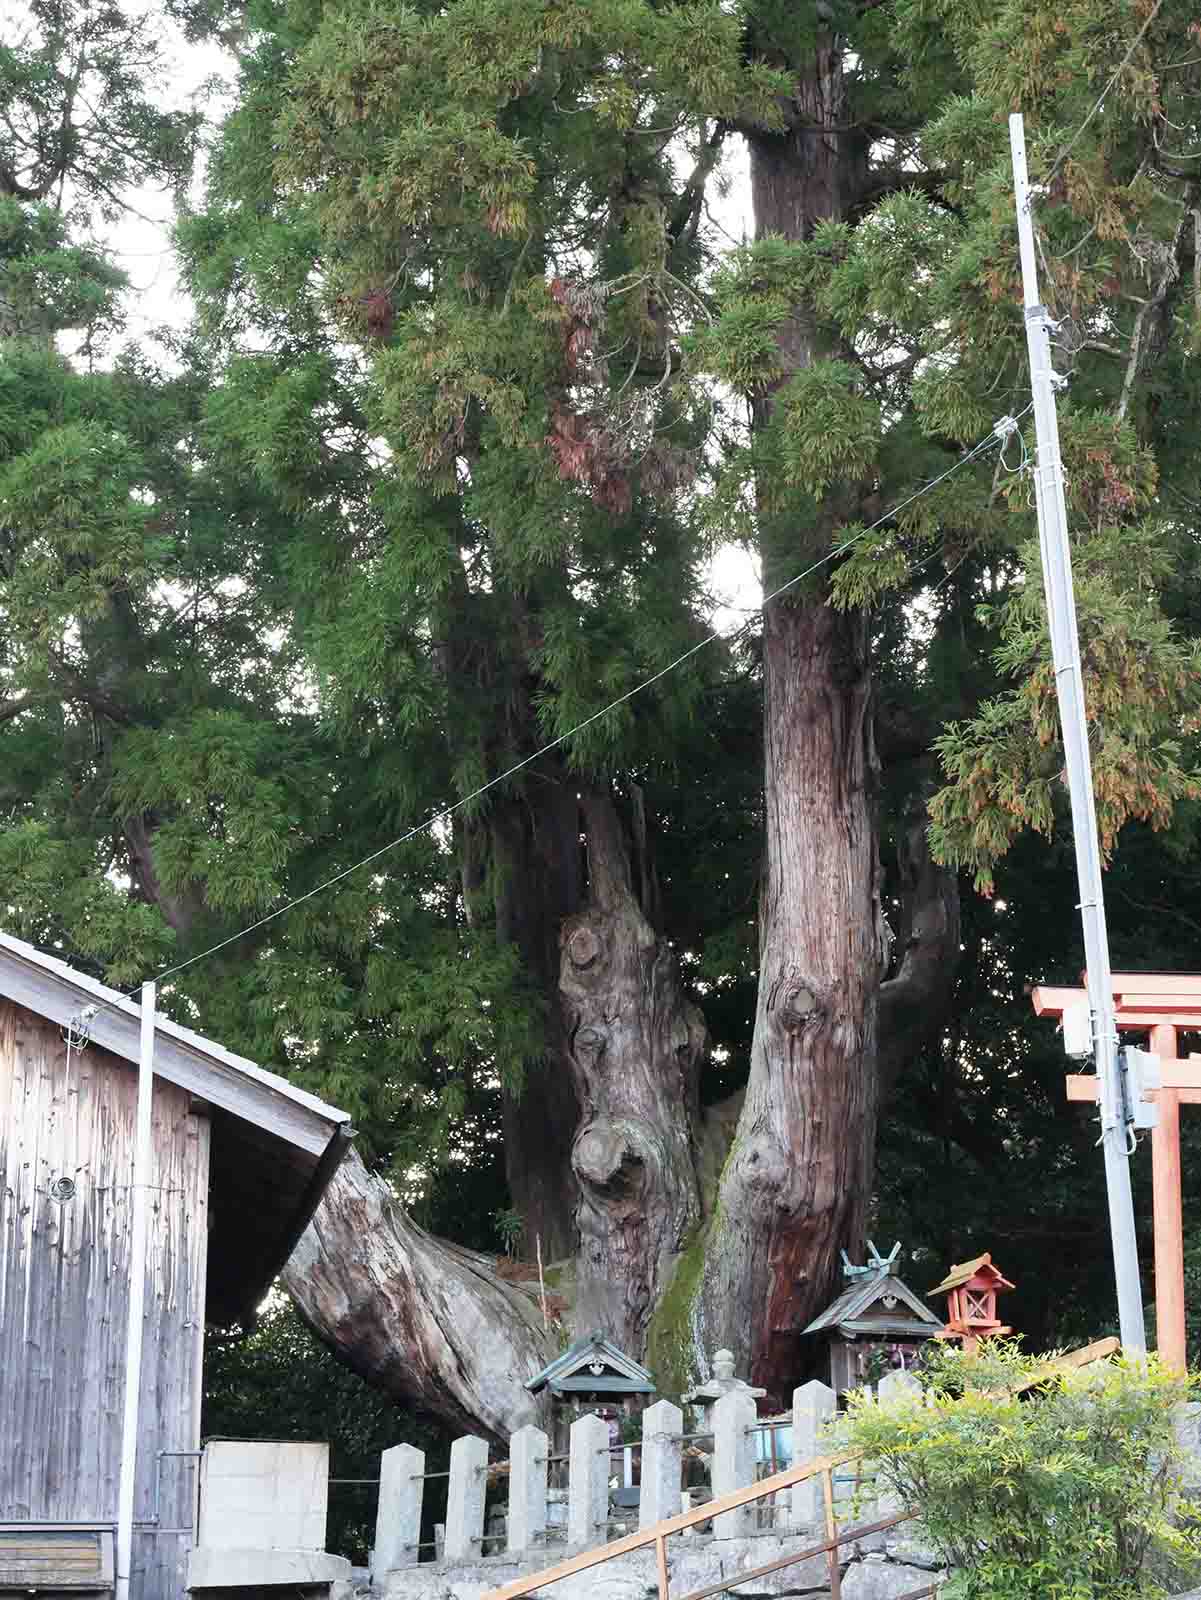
x=167 y=779
x=477 y=387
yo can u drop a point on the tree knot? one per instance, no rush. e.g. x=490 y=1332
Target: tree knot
x=608 y=1156
x=799 y=1007
x=583 y=947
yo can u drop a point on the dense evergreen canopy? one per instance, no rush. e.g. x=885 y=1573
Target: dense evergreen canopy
x=477 y=386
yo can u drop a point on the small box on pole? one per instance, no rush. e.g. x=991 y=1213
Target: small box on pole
x=1078 y=1032
x=1142 y=1071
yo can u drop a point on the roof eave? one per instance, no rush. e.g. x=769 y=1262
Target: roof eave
x=51 y=988
x=329 y=1162
x=898 y=1327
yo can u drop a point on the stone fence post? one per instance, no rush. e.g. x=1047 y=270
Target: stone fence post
x=465 y=1499
x=398 y=1519
x=662 y=1449
x=1187 y=1423
x=895 y=1388
x=734 y=1416
x=528 y=1452
x=813 y=1404
x=588 y=1484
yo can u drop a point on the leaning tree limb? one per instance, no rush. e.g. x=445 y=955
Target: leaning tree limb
x=420 y=1319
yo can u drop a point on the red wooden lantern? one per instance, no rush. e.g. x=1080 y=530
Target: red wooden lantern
x=971 y=1289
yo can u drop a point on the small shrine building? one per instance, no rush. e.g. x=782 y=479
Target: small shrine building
x=877 y=1321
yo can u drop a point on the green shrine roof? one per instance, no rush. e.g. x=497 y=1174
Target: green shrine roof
x=593 y=1365
x=868 y=1288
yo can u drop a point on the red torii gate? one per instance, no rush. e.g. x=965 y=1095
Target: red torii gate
x=1160 y=1003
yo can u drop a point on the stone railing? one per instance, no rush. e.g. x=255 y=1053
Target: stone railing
x=530 y=1535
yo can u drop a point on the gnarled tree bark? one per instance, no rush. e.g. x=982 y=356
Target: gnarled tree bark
x=419 y=1318
x=436 y=1325
x=636 y=1045
x=796 y=1185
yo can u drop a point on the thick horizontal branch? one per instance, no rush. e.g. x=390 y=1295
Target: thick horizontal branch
x=421 y=1319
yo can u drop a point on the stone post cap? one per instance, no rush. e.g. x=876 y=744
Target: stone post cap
x=722 y=1382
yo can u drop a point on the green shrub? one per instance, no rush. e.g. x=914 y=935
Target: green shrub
x=1068 y=1491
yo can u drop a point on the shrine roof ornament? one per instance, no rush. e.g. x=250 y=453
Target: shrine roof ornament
x=877 y=1285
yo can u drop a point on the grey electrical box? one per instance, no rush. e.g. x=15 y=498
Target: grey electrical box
x=1078 y=1031
x=1141 y=1072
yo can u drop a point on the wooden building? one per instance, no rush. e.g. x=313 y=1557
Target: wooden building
x=240 y=1160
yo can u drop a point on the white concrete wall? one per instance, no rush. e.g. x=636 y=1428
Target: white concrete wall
x=263 y=1495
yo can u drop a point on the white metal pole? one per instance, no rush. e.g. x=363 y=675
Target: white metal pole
x=139 y=1204
x=1069 y=684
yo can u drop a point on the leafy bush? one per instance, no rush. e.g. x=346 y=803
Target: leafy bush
x=1070 y=1490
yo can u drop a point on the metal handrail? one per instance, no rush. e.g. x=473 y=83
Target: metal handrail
x=823 y=1466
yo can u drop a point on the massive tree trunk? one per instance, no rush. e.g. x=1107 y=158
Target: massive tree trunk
x=681 y=1248
x=636 y=1046
x=796 y=1186
x=521 y=867
x=439 y=1326
x=537 y=882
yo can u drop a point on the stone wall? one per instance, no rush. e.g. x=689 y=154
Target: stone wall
x=692 y=1564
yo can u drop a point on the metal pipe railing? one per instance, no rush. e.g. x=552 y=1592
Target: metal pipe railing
x=663 y=1530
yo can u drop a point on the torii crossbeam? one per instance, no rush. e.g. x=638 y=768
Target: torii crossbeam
x=1161 y=1004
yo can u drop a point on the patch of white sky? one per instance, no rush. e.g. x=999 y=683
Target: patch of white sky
x=196 y=77
x=735 y=584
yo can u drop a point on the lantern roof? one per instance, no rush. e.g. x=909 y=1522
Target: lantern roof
x=870 y=1286
x=593 y=1365
x=978 y=1273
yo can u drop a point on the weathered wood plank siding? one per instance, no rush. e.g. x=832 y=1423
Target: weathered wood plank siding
x=64 y=1291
